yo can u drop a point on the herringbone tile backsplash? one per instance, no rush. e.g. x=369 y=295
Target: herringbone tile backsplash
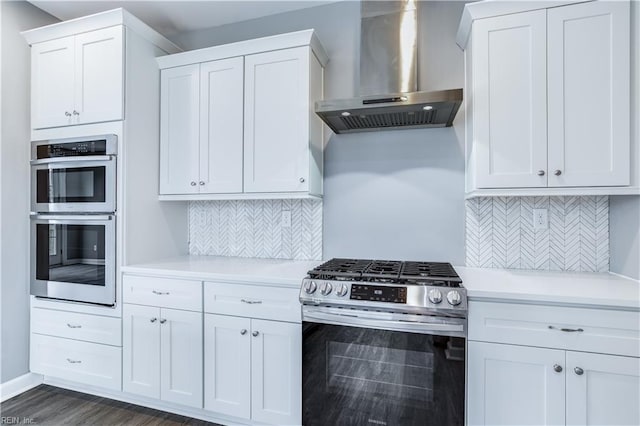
x=499 y=233
x=253 y=228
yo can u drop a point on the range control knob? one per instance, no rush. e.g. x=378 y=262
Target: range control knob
x=326 y=288
x=435 y=296
x=453 y=297
x=342 y=290
x=310 y=287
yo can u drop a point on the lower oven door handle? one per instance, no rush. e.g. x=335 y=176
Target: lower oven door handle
x=409 y=326
x=66 y=218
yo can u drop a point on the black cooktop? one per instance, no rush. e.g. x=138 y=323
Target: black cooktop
x=388 y=271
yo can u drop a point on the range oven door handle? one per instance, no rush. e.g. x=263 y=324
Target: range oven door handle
x=62 y=160
x=444 y=326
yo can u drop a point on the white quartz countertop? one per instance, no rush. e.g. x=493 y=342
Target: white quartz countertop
x=571 y=288
x=228 y=269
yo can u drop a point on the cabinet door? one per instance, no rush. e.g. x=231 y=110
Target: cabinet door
x=514 y=385
x=141 y=350
x=589 y=94
x=221 y=112
x=179 y=129
x=276 y=127
x=99 y=82
x=602 y=389
x=52 y=83
x=276 y=368
x=510 y=102
x=227 y=365
x=181 y=357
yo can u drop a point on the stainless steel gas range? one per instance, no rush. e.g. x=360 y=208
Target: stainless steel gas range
x=383 y=343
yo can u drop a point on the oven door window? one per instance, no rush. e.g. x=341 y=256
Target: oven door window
x=71 y=185
x=358 y=376
x=71 y=253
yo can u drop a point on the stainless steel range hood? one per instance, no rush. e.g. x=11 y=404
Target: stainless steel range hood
x=388 y=77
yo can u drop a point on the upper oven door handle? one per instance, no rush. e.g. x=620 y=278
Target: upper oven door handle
x=409 y=323
x=61 y=160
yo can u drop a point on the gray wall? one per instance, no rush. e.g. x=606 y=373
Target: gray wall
x=624 y=235
x=14 y=177
x=392 y=194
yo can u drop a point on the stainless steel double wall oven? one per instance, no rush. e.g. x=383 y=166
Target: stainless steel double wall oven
x=73 y=219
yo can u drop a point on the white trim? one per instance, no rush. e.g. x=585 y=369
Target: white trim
x=19 y=385
x=550 y=192
x=149 y=402
x=97 y=21
x=490 y=8
x=247 y=47
x=240 y=196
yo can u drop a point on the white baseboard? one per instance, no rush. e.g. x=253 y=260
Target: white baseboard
x=19 y=385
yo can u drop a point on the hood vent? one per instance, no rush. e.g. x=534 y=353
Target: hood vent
x=388 y=77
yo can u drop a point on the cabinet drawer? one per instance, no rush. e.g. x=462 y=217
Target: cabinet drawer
x=252 y=301
x=90 y=363
x=72 y=325
x=581 y=329
x=163 y=292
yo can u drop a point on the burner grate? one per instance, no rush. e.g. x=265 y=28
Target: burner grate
x=429 y=270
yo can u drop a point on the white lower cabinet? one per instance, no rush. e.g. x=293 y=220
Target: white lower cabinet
x=513 y=381
x=253 y=368
x=162 y=352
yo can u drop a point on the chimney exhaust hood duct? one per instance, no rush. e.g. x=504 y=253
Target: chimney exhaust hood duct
x=388 y=77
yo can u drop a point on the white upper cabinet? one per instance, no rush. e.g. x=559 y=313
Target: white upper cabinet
x=277 y=121
x=588 y=75
x=238 y=120
x=510 y=80
x=547 y=98
x=221 y=103
x=179 y=131
x=78 y=79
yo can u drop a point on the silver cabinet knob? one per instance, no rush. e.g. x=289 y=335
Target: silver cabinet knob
x=557 y=368
x=540 y=172
x=301 y=180
x=243 y=331
x=255 y=334
x=162 y=321
x=75 y=112
x=579 y=371
x=557 y=172
x=193 y=183
x=201 y=183
x=67 y=114
x=153 y=319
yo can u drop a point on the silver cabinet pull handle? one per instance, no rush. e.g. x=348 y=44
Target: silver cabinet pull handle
x=73 y=325
x=74 y=361
x=255 y=334
x=153 y=319
x=243 y=331
x=579 y=371
x=160 y=293
x=566 y=330
x=162 y=321
x=540 y=172
x=557 y=172
x=557 y=368
x=251 y=302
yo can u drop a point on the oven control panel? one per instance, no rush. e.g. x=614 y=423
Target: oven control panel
x=375 y=293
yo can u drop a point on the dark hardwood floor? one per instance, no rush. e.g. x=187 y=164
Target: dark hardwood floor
x=49 y=405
